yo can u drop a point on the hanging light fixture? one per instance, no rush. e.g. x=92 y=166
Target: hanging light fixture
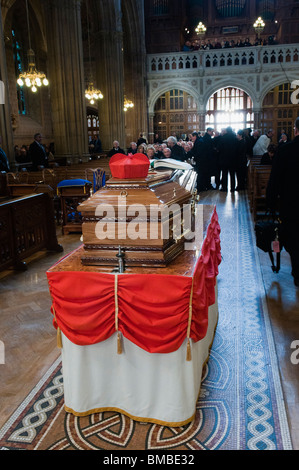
x=32 y=78
x=200 y=29
x=259 y=26
x=128 y=104
x=91 y=93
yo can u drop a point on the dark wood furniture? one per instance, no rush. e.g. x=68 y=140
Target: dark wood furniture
x=27 y=225
x=71 y=197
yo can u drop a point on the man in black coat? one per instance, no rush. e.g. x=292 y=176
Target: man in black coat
x=241 y=167
x=283 y=194
x=197 y=153
x=208 y=159
x=227 y=158
x=177 y=151
x=37 y=153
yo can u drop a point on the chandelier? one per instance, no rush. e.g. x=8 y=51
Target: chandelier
x=200 y=29
x=32 y=78
x=91 y=93
x=259 y=25
x=128 y=104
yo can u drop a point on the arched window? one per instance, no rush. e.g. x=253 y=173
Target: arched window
x=179 y=110
x=230 y=107
x=279 y=113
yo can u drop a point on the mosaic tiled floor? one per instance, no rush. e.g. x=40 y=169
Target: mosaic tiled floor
x=241 y=405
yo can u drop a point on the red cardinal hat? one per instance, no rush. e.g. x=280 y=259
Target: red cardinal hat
x=129 y=166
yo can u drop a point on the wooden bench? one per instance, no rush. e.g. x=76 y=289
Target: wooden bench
x=65 y=202
x=252 y=164
x=27 y=226
x=260 y=178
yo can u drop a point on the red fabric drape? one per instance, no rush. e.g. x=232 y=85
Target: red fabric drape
x=153 y=309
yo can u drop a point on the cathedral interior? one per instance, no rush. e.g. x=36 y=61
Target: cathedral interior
x=184 y=65
x=76 y=43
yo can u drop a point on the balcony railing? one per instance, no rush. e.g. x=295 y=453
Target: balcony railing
x=221 y=59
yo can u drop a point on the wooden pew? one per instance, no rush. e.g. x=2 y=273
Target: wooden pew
x=28 y=226
x=252 y=164
x=260 y=177
x=24 y=183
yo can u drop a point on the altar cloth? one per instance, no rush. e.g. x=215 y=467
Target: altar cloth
x=153 y=388
x=136 y=342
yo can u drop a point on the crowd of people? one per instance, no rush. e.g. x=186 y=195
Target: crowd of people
x=195 y=45
x=215 y=156
x=224 y=154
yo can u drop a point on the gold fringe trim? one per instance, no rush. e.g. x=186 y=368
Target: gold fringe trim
x=59 y=337
x=135 y=418
x=146 y=420
x=189 y=355
x=119 y=344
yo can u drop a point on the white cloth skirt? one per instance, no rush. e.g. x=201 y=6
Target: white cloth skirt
x=156 y=388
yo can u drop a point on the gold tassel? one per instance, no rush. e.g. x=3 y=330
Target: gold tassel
x=119 y=346
x=188 y=358
x=59 y=338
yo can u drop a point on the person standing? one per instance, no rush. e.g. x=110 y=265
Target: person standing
x=241 y=166
x=177 y=151
x=227 y=158
x=283 y=195
x=216 y=145
x=98 y=145
x=263 y=143
x=141 y=140
x=196 y=153
x=37 y=153
x=157 y=139
x=4 y=163
x=208 y=152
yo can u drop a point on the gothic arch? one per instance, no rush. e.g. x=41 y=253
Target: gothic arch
x=170 y=86
x=36 y=21
x=280 y=80
x=232 y=82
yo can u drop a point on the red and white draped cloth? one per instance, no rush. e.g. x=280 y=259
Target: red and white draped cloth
x=156 y=318
x=156 y=312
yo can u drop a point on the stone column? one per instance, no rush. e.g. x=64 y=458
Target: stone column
x=66 y=77
x=6 y=130
x=151 y=134
x=202 y=121
x=257 y=118
x=135 y=70
x=109 y=73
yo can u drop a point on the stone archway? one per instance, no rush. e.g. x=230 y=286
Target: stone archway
x=229 y=106
x=176 y=113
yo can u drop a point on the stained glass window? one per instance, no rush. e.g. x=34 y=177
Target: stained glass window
x=19 y=68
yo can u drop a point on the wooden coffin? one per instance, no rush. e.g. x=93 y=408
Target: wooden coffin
x=139 y=220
